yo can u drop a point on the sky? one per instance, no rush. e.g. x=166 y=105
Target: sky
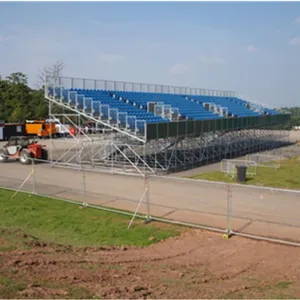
x=252 y=48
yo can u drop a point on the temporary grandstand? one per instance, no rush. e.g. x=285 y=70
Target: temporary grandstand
x=157 y=128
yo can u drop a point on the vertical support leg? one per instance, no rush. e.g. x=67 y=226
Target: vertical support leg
x=229 y=232
x=33 y=177
x=148 y=214
x=50 y=136
x=112 y=156
x=85 y=204
x=83 y=179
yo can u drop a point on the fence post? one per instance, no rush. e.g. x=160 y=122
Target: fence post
x=148 y=214
x=229 y=231
x=82 y=170
x=33 y=177
x=83 y=179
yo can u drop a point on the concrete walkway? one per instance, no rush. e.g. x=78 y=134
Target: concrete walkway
x=264 y=212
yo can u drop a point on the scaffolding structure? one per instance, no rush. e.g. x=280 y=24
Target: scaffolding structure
x=156 y=148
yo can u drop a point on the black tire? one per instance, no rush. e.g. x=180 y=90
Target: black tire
x=25 y=157
x=44 y=154
x=3 y=156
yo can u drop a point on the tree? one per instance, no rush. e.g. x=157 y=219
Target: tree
x=16 y=96
x=18 y=101
x=52 y=73
x=295 y=118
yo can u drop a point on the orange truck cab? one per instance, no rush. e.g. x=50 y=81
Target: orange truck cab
x=42 y=129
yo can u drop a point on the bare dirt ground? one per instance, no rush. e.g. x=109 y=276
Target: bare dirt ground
x=196 y=265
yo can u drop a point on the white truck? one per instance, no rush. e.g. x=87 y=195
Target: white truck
x=62 y=130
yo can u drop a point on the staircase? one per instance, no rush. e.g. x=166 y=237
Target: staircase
x=95 y=111
x=111 y=151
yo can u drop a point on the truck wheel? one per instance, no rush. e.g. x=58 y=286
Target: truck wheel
x=25 y=157
x=44 y=154
x=3 y=156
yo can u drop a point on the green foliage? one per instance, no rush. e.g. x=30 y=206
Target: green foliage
x=18 y=101
x=295 y=111
x=295 y=118
x=59 y=222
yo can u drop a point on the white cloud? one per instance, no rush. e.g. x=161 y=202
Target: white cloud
x=111 y=58
x=250 y=48
x=297 y=21
x=295 y=41
x=3 y=38
x=179 y=69
x=211 y=60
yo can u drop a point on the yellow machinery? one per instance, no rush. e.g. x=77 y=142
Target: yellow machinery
x=40 y=128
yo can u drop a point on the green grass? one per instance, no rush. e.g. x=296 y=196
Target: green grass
x=11 y=288
x=287 y=176
x=58 y=222
x=280 y=290
x=283 y=284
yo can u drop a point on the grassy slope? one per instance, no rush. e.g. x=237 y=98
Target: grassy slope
x=287 y=176
x=55 y=221
x=28 y=218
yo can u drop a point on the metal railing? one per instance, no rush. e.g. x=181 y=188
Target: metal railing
x=101 y=84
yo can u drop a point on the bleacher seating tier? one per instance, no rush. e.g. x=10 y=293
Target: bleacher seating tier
x=189 y=107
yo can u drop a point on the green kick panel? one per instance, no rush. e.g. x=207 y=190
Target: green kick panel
x=197 y=127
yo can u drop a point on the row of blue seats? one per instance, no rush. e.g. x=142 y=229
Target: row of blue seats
x=105 y=99
x=191 y=113
x=233 y=107
x=204 y=98
x=239 y=101
x=187 y=108
x=183 y=109
x=142 y=116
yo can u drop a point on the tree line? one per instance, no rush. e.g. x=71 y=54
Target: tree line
x=19 y=102
x=294 y=120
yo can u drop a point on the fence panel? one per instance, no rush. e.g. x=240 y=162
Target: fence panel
x=61 y=183
x=189 y=201
x=80 y=184
x=252 y=211
x=266 y=212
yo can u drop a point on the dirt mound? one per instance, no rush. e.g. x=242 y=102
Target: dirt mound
x=196 y=265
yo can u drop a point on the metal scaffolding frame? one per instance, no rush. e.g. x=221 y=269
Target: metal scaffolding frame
x=115 y=150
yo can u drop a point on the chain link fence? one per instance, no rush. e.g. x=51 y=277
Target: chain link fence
x=257 y=212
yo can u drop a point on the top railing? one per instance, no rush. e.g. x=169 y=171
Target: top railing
x=100 y=84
